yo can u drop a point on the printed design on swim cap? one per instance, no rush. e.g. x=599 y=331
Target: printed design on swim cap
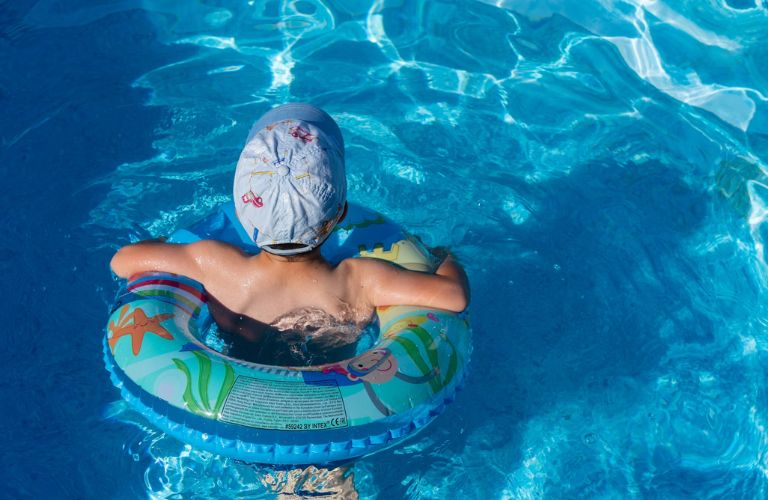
x=256 y=201
x=270 y=127
x=298 y=132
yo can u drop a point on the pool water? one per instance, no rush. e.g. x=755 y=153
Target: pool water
x=598 y=166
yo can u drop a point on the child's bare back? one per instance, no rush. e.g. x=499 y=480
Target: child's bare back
x=267 y=287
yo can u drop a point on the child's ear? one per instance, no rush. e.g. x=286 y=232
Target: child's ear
x=343 y=215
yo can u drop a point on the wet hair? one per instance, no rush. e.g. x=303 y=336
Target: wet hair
x=290 y=246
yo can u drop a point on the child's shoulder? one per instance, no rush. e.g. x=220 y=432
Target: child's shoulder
x=365 y=264
x=215 y=247
x=367 y=269
x=215 y=255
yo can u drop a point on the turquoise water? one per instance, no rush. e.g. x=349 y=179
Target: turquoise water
x=598 y=166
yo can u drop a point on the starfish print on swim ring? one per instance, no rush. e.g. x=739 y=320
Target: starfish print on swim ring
x=140 y=324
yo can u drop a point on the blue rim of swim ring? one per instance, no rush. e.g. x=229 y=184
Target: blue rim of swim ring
x=285 y=415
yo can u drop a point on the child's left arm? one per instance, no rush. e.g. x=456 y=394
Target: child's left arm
x=387 y=284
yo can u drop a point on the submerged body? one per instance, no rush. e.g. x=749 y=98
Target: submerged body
x=301 y=337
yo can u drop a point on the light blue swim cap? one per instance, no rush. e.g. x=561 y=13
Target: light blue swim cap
x=290 y=183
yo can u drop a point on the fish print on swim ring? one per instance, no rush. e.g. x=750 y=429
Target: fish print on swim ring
x=377 y=366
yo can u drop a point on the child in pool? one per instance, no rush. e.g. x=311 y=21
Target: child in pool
x=290 y=191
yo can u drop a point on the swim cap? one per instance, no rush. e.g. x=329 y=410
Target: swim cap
x=290 y=182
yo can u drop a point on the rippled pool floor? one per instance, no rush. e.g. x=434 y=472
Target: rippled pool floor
x=598 y=166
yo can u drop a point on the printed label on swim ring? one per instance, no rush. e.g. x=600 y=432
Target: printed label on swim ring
x=283 y=405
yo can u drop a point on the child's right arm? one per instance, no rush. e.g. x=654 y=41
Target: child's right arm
x=209 y=262
x=386 y=284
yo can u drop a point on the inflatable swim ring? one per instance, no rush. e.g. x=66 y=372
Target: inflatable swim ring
x=275 y=414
